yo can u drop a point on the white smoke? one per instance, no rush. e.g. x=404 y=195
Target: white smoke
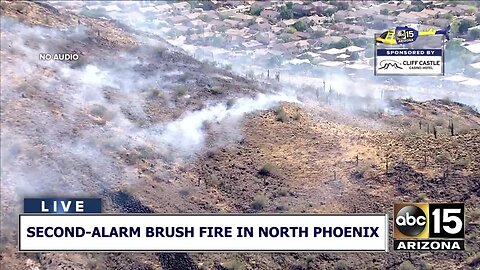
x=187 y=134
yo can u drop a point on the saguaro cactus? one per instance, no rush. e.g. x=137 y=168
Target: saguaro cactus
x=450 y=126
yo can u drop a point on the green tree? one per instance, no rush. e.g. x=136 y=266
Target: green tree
x=289 y=5
x=286 y=13
x=300 y=26
x=329 y=12
x=384 y=11
x=464 y=25
x=474 y=34
x=290 y=30
x=256 y=10
x=345 y=42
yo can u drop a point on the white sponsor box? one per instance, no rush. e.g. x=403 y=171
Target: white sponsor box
x=409 y=62
x=203 y=233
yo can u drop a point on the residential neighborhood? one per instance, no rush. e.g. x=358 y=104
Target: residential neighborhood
x=288 y=35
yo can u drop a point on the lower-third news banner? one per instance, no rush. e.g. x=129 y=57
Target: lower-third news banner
x=202 y=233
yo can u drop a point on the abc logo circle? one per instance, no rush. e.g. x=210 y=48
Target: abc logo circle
x=411 y=220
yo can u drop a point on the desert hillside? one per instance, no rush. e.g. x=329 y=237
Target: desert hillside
x=152 y=130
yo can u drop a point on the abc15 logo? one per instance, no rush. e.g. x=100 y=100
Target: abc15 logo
x=429 y=220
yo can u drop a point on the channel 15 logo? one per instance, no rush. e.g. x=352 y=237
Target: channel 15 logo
x=429 y=226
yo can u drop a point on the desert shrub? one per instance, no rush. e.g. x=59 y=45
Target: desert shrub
x=442 y=158
x=100 y=111
x=212 y=180
x=283 y=192
x=259 y=202
x=439 y=122
x=423 y=265
x=185 y=77
x=184 y=192
x=462 y=162
x=310 y=258
x=296 y=117
x=282 y=208
x=181 y=90
x=281 y=115
x=421 y=197
x=360 y=171
x=341 y=265
x=267 y=170
x=463 y=129
x=474 y=260
x=234 y=265
x=216 y=90
x=155 y=93
x=475 y=216
x=406 y=265
x=95 y=261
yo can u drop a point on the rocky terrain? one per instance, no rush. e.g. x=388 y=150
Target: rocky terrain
x=152 y=130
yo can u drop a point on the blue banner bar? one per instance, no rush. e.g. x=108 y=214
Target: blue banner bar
x=62 y=205
x=409 y=52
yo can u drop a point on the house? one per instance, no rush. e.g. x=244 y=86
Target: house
x=439 y=22
x=265 y=37
x=318 y=6
x=340 y=15
x=276 y=30
x=287 y=23
x=242 y=17
x=261 y=25
x=165 y=8
x=352 y=49
x=302 y=35
x=301 y=10
x=270 y=15
x=316 y=29
x=295 y=47
x=410 y=17
x=231 y=23
x=314 y=19
x=326 y=40
x=251 y=44
x=192 y=16
x=181 y=7
x=430 y=13
x=331 y=54
x=177 y=19
x=209 y=5
x=217 y=25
